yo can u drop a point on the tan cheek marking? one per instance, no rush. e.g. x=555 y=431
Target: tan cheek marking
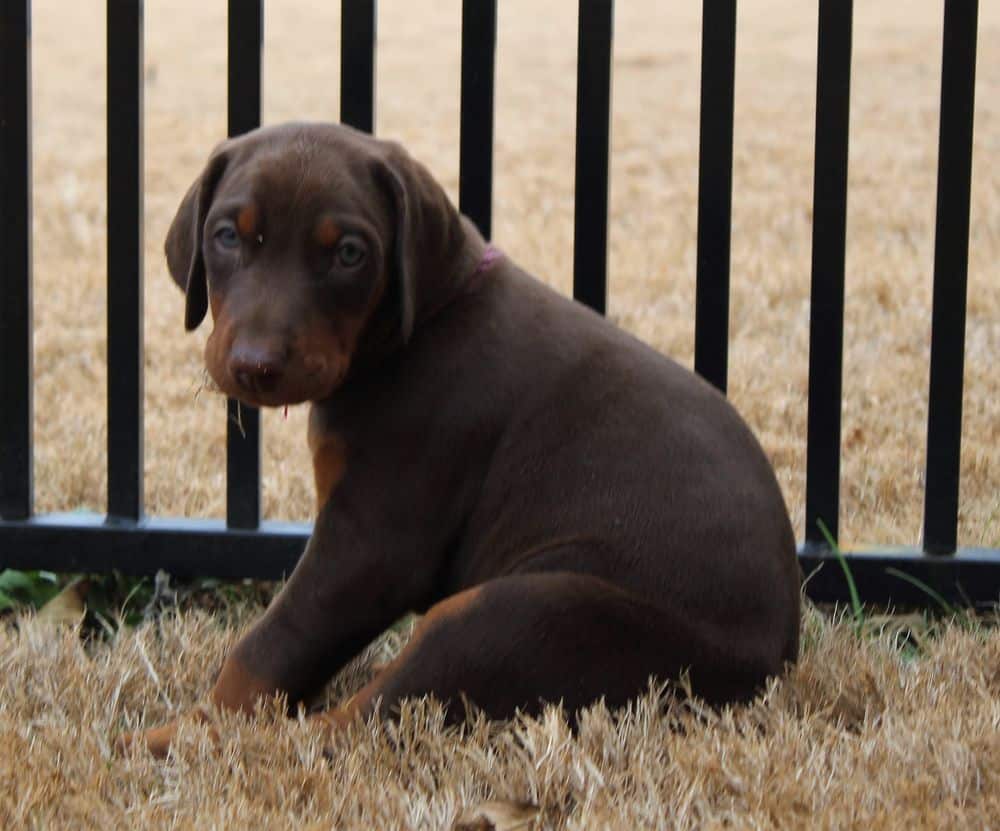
x=323 y=351
x=215 y=303
x=329 y=466
x=326 y=232
x=218 y=344
x=246 y=221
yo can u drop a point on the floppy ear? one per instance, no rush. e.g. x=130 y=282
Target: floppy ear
x=402 y=288
x=184 y=240
x=427 y=229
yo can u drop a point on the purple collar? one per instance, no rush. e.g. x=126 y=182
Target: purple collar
x=488 y=260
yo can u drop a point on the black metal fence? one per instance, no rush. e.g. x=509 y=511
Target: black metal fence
x=242 y=545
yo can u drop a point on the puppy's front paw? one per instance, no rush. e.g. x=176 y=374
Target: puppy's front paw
x=328 y=723
x=158 y=739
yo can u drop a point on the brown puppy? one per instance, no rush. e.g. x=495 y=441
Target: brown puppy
x=574 y=511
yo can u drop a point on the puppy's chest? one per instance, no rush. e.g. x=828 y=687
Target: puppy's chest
x=329 y=458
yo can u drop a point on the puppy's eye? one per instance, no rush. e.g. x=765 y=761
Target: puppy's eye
x=350 y=253
x=226 y=237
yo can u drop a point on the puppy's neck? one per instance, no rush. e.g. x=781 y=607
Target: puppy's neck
x=439 y=287
x=439 y=284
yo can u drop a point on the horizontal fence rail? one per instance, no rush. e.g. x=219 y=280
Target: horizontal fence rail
x=183 y=547
x=244 y=546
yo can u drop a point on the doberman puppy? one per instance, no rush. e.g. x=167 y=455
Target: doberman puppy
x=573 y=511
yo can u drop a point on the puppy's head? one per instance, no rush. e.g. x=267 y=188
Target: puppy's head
x=310 y=244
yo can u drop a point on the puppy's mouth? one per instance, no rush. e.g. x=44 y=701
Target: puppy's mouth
x=281 y=386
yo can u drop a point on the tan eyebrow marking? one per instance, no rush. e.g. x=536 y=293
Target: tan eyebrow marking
x=327 y=232
x=246 y=221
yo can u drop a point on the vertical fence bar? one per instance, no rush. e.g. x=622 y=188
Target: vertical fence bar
x=951 y=267
x=715 y=190
x=479 y=44
x=125 y=265
x=593 y=135
x=826 y=322
x=15 y=260
x=357 y=63
x=246 y=37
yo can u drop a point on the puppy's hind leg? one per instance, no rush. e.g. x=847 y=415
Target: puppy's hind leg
x=516 y=642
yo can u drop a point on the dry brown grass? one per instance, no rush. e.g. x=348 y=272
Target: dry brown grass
x=653 y=220
x=859 y=736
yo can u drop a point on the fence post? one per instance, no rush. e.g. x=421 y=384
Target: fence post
x=125 y=262
x=951 y=269
x=358 y=22
x=593 y=137
x=246 y=37
x=715 y=190
x=475 y=176
x=826 y=310
x=15 y=260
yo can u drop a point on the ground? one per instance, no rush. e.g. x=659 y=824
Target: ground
x=862 y=734
x=895 y=729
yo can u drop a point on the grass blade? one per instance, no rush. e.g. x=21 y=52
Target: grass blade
x=856 y=608
x=946 y=607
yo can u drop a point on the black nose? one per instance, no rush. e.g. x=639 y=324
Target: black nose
x=256 y=370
